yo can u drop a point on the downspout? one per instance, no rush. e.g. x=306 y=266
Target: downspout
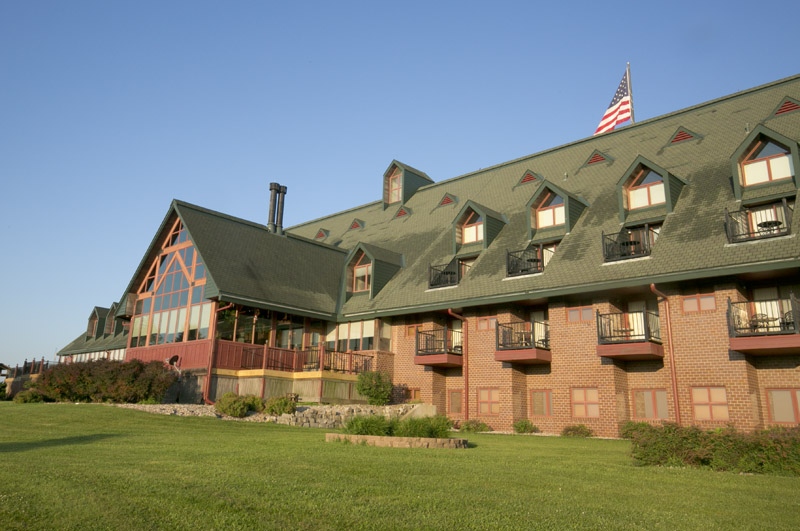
x=465 y=358
x=212 y=333
x=673 y=370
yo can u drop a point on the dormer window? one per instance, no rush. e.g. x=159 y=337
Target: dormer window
x=645 y=188
x=766 y=161
x=550 y=212
x=362 y=273
x=472 y=227
x=395 y=186
x=91 y=330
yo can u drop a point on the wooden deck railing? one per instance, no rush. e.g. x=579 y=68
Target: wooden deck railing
x=237 y=356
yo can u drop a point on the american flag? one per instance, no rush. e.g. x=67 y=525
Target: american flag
x=620 y=108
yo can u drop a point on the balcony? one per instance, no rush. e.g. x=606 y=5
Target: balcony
x=440 y=276
x=523 y=342
x=629 y=336
x=766 y=327
x=756 y=223
x=441 y=347
x=630 y=243
x=528 y=261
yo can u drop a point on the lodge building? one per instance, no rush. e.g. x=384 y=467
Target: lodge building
x=649 y=273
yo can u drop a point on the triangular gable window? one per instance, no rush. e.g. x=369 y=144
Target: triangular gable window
x=448 y=199
x=597 y=158
x=356 y=224
x=403 y=212
x=682 y=135
x=322 y=234
x=787 y=105
x=529 y=177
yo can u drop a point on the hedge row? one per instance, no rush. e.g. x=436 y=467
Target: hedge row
x=776 y=450
x=105 y=381
x=437 y=427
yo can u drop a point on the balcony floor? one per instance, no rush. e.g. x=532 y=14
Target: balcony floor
x=632 y=351
x=439 y=360
x=525 y=356
x=774 y=345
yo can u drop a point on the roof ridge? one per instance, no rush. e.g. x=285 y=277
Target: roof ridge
x=235 y=219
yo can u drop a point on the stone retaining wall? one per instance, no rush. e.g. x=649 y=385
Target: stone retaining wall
x=397 y=442
x=334 y=417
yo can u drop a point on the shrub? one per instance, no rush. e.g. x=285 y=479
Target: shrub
x=437 y=427
x=632 y=428
x=525 y=426
x=376 y=386
x=28 y=397
x=106 y=380
x=368 y=425
x=2 y=390
x=254 y=403
x=577 y=430
x=776 y=450
x=280 y=405
x=474 y=426
x=232 y=405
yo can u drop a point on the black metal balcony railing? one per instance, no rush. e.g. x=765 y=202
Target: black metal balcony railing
x=765 y=221
x=444 y=275
x=767 y=317
x=439 y=341
x=520 y=335
x=528 y=261
x=628 y=327
x=630 y=243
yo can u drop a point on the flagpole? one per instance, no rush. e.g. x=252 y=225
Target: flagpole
x=630 y=90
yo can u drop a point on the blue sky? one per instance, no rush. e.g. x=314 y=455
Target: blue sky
x=112 y=109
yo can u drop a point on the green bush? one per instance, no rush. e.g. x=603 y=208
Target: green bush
x=232 y=405
x=376 y=386
x=525 y=426
x=254 y=403
x=106 y=380
x=632 y=428
x=437 y=427
x=369 y=425
x=776 y=450
x=474 y=426
x=28 y=397
x=280 y=405
x=577 y=430
x=2 y=390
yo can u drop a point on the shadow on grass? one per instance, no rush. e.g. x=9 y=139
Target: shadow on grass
x=51 y=443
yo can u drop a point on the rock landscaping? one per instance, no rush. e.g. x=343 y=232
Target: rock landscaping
x=329 y=417
x=397 y=442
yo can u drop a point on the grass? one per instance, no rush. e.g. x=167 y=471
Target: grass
x=97 y=467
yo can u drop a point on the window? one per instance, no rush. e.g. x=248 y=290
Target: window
x=550 y=211
x=472 y=229
x=464 y=265
x=412 y=395
x=395 y=186
x=411 y=330
x=767 y=161
x=92 y=328
x=710 y=403
x=585 y=402
x=580 y=313
x=455 y=401
x=650 y=404
x=487 y=323
x=358 y=335
x=541 y=403
x=783 y=405
x=699 y=302
x=489 y=401
x=362 y=273
x=646 y=188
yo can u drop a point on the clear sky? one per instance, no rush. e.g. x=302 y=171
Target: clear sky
x=110 y=110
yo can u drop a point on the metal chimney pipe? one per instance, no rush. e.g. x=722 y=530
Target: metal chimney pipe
x=273 y=191
x=281 y=196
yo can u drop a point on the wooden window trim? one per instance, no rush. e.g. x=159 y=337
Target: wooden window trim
x=486 y=319
x=795 y=405
x=710 y=403
x=652 y=392
x=580 y=313
x=395 y=186
x=467 y=225
x=489 y=402
x=586 y=403
x=411 y=330
x=649 y=197
x=697 y=297
x=548 y=398
x=550 y=195
x=747 y=161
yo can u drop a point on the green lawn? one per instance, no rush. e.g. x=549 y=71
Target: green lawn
x=92 y=467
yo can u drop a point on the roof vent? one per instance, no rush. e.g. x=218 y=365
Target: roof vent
x=788 y=105
x=356 y=224
x=448 y=199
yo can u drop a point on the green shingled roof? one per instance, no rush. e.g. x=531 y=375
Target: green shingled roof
x=82 y=344
x=692 y=244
